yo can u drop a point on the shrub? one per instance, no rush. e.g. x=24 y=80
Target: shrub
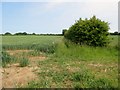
x=24 y=62
x=91 y=32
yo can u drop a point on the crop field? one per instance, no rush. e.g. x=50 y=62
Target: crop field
x=53 y=62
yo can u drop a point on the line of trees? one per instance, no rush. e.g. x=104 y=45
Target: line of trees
x=63 y=32
x=24 y=33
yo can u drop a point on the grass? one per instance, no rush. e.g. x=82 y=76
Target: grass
x=67 y=64
x=7 y=59
x=24 y=62
x=86 y=53
x=41 y=43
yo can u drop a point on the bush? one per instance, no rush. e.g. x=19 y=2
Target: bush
x=91 y=32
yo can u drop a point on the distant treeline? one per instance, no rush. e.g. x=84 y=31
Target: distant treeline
x=115 y=33
x=24 y=33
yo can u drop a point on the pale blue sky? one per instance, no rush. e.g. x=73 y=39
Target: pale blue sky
x=52 y=17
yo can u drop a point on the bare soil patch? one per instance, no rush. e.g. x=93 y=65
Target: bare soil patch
x=34 y=58
x=15 y=76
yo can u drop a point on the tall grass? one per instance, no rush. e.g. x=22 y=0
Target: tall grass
x=68 y=50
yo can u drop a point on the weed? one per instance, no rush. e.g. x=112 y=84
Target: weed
x=6 y=58
x=24 y=62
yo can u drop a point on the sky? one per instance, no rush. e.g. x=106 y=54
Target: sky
x=52 y=16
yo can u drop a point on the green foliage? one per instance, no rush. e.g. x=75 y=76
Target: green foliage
x=24 y=62
x=91 y=32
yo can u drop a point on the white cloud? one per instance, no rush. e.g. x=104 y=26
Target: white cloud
x=106 y=11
